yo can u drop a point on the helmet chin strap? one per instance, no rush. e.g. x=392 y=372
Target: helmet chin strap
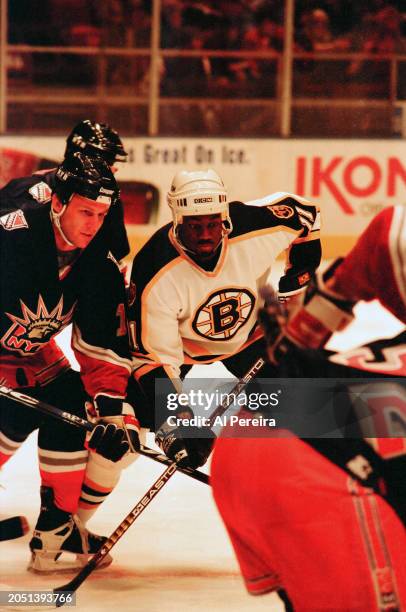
x=56 y=220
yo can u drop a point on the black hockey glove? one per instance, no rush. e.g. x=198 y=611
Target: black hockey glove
x=109 y=441
x=187 y=445
x=106 y=410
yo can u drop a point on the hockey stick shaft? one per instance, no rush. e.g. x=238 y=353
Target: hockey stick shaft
x=72 y=419
x=236 y=390
x=125 y=524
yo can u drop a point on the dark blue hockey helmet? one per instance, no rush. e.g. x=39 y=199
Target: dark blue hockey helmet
x=96 y=139
x=90 y=177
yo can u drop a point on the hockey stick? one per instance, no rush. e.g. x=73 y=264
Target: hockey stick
x=72 y=419
x=125 y=524
x=236 y=390
x=13 y=527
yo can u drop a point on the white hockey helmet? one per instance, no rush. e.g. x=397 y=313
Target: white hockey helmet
x=199 y=192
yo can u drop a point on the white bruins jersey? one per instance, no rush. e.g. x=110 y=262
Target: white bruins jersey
x=182 y=314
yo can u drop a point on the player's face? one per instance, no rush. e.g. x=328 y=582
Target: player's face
x=202 y=234
x=82 y=220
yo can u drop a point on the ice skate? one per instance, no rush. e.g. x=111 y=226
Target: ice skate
x=58 y=532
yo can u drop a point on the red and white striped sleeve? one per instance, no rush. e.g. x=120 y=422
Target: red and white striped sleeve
x=103 y=371
x=376 y=266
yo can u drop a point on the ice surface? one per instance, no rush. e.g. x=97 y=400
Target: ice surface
x=176 y=556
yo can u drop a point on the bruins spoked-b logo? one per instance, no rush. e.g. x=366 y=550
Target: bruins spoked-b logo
x=223 y=313
x=282 y=211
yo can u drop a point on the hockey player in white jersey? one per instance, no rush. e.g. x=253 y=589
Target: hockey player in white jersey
x=195 y=289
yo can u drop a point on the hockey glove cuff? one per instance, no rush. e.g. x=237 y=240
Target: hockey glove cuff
x=189 y=446
x=323 y=312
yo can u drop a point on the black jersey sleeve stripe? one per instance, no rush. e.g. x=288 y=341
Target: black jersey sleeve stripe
x=149 y=261
x=285 y=213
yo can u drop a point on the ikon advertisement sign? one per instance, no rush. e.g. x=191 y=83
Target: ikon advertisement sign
x=353 y=182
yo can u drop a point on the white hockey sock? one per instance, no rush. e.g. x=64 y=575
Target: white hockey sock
x=101 y=476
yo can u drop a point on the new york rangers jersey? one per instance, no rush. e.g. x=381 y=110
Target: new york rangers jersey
x=37 y=302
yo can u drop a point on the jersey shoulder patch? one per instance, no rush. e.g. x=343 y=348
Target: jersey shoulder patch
x=13 y=221
x=41 y=192
x=113 y=259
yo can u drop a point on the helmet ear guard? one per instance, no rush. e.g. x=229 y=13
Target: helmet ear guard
x=85 y=176
x=96 y=139
x=195 y=193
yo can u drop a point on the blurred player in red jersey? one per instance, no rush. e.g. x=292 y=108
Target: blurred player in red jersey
x=322 y=518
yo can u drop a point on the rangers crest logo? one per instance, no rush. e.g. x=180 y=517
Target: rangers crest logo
x=41 y=192
x=223 y=313
x=380 y=409
x=13 y=221
x=281 y=211
x=33 y=330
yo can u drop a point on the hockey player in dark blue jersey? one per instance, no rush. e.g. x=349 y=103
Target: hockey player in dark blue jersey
x=56 y=273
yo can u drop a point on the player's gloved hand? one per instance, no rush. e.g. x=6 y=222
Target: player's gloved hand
x=105 y=410
x=109 y=441
x=308 y=320
x=183 y=444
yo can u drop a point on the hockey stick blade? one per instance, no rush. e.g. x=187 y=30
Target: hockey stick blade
x=125 y=524
x=72 y=419
x=13 y=528
x=74 y=584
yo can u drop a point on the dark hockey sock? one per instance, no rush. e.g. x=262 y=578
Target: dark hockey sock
x=50 y=516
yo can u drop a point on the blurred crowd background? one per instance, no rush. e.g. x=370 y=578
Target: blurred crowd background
x=220 y=66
